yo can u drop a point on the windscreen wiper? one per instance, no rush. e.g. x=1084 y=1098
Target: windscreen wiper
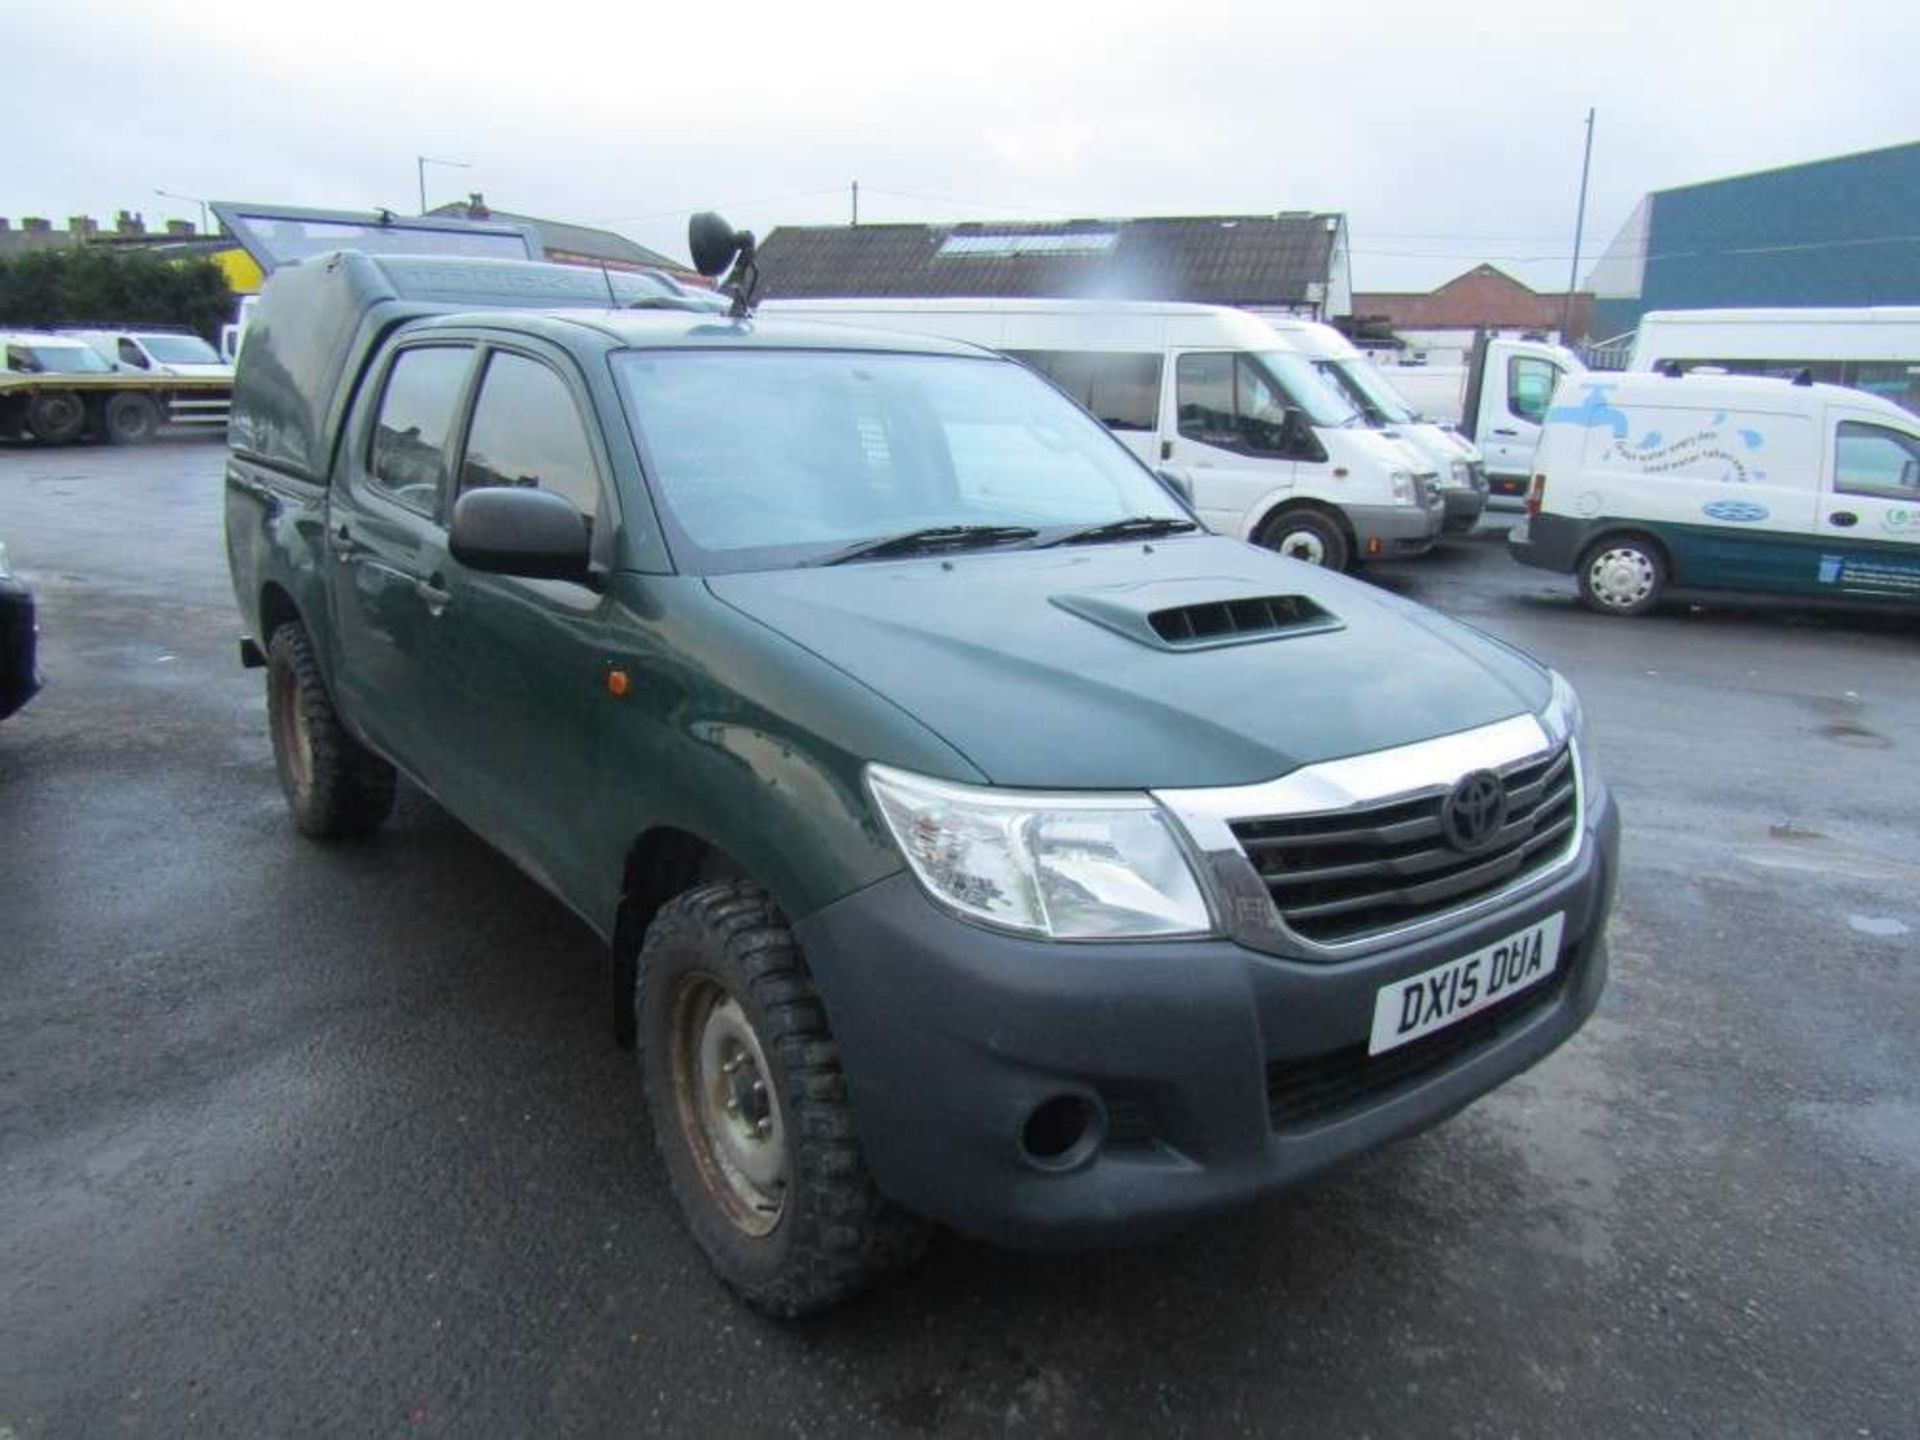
x=930 y=538
x=1132 y=528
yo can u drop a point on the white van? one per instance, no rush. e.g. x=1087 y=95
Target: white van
x=1268 y=449
x=1874 y=348
x=1498 y=399
x=1645 y=484
x=1462 y=476
x=157 y=352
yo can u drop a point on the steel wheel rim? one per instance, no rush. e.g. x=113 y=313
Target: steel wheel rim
x=296 y=741
x=1621 y=578
x=728 y=1107
x=1306 y=545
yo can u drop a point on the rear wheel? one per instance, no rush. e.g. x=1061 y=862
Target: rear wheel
x=131 y=418
x=749 y=1107
x=1622 y=575
x=56 y=417
x=334 y=785
x=1303 y=534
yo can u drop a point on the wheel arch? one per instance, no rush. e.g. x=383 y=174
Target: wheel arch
x=662 y=861
x=1292 y=505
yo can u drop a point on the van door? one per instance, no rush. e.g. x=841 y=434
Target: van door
x=1513 y=406
x=1224 y=436
x=1869 y=520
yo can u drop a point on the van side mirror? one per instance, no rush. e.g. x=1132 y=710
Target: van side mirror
x=1296 y=435
x=507 y=530
x=1180 y=485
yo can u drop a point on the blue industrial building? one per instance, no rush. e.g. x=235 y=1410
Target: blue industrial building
x=1844 y=231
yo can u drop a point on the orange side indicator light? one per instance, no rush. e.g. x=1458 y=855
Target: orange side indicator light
x=618 y=683
x=1373 y=545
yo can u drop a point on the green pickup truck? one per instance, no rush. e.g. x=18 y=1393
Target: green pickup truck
x=976 y=840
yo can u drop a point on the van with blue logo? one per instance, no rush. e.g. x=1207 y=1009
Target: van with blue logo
x=1648 y=485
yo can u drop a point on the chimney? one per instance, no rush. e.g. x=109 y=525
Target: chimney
x=128 y=222
x=477 y=206
x=38 y=224
x=181 y=227
x=82 y=227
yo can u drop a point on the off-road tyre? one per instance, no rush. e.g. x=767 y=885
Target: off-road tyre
x=56 y=417
x=335 y=787
x=1622 y=575
x=833 y=1232
x=130 y=418
x=1304 y=533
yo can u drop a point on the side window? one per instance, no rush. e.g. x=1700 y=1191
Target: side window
x=1226 y=401
x=1530 y=382
x=526 y=431
x=1873 y=460
x=408 y=458
x=130 y=353
x=1125 y=392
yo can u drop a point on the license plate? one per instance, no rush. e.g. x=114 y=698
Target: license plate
x=1449 y=993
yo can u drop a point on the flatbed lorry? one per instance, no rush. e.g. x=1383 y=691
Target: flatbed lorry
x=57 y=389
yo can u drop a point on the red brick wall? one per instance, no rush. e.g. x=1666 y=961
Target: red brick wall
x=1483 y=296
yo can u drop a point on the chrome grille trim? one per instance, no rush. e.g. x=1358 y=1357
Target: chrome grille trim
x=1357 y=788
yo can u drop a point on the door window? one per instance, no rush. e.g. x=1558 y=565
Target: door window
x=1873 y=460
x=1530 y=382
x=1224 y=401
x=408 y=458
x=526 y=431
x=130 y=353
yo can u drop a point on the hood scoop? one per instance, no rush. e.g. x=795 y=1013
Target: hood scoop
x=1198 y=614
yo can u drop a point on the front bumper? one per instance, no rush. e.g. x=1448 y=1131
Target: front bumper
x=1387 y=530
x=19 y=675
x=1465 y=505
x=1209 y=1066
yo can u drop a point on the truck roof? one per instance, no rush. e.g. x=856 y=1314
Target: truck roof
x=318 y=323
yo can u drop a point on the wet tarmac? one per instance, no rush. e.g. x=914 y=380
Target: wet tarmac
x=299 y=1140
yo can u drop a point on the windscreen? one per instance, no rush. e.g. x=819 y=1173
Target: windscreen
x=766 y=459
x=1305 y=387
x=180 y=349
x=1362 y=383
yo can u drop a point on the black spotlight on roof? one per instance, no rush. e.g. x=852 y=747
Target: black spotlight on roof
x=716 y=245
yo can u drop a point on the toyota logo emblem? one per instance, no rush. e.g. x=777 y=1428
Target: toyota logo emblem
x=1476 y=810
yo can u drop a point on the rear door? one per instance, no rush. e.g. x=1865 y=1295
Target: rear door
x=1869 y=521
x=387 y=546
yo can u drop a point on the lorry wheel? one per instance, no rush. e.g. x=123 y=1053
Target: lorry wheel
x=749 y=1107
x=1622 y=575
x=334 y=785
x=130 y=418
x=1309 y=535
x=56 y=417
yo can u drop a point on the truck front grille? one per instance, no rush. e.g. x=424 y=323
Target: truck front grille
x=1340 y=876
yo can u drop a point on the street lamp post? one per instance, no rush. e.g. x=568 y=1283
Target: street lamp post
x=175 y=195
x=426 y=160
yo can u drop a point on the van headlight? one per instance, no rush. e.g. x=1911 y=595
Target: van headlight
x=1563 y=719
x=1462 y=473
x=1400 y=483
x=1062 y=866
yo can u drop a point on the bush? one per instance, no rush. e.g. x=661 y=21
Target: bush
x=108 y=285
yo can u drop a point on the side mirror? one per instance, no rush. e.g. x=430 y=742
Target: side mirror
x=1179 y=484
x=510 y=531
x=1296 y=436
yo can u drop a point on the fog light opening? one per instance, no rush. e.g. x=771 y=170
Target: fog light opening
x=1063 y=1132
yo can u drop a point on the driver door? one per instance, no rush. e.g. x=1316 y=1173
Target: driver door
x=1869 y=518
x=1227 y=438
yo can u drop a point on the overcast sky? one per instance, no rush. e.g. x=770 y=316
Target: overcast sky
x=1448 y=134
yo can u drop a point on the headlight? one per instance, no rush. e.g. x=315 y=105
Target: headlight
x=1068 y=867
x=1462 y=473
x=1401 y=483
x=1563 y=719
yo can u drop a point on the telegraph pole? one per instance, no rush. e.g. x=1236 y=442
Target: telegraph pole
x=1579 y=224
x=856 y=202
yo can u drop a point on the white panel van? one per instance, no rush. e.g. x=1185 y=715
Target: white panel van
x=1648 y=484
x=1454 y=458
x=1269 y=450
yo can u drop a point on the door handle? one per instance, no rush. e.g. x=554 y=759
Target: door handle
x=430 y=591
x=1166 y=449
x=1844 y=518
x=1506 y=432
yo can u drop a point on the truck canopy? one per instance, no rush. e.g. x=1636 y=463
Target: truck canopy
x=318 y=322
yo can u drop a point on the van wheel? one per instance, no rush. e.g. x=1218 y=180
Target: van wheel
x=1622 y=575
x=749 y=1107
x=1309 y=535
x=130 y=418
x=56 y=417
x=334 y=785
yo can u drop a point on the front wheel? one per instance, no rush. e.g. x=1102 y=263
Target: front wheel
x=1622 y=575
x=749 y=1107
x=1309 y=535
x=334 y=785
